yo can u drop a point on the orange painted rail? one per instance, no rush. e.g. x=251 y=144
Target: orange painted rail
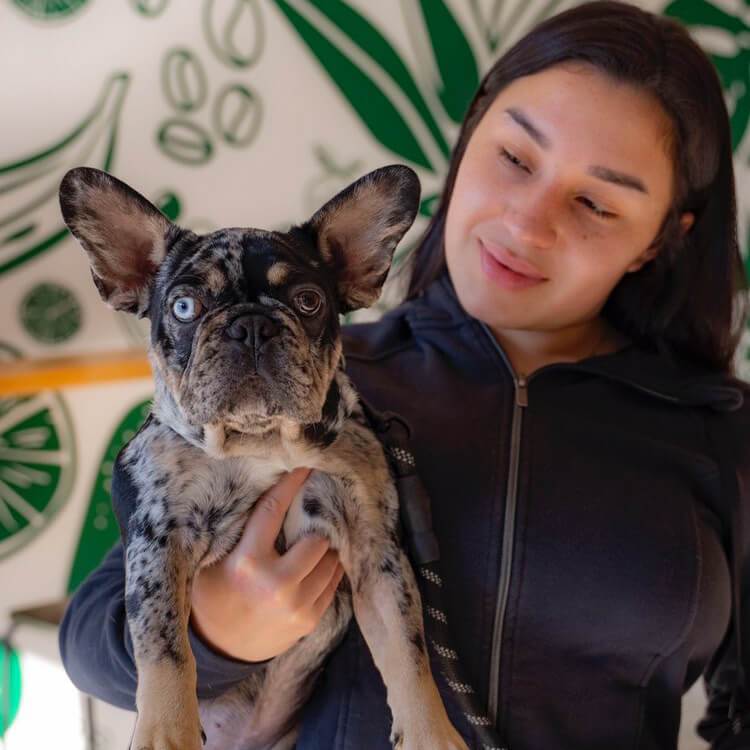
x=23 y=376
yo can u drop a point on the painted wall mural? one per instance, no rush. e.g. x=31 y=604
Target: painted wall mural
x=222 y=112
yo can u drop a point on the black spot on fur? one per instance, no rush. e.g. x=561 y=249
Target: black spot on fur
x=311 y=506
x=323 y=433
x=133 y=603
x=388 y=566
x=418 y=641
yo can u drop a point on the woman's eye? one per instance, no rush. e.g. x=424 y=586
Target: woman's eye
x=600 y=212
x=308 y=302
x=186 y=309
x=512 y=159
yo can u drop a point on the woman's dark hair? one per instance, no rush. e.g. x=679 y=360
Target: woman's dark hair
x=686 y=299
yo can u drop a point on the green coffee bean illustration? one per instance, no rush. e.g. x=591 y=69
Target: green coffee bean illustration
x=234 y=31
x=50 y=10
x=185 y=141
x=237 y=115
x=149 y=8
x=184 y=80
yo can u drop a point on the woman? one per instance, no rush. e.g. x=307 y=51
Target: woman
x=564 y=360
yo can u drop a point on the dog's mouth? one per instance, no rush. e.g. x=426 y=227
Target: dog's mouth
x=222 y=440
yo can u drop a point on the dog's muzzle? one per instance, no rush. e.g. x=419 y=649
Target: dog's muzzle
x=252 y=331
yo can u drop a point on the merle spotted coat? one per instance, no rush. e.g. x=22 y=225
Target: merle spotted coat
x=246 y=355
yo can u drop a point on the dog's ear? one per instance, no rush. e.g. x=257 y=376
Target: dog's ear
x=123 y=234
x=358 y=230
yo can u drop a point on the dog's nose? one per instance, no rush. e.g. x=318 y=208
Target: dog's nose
x=252 y=330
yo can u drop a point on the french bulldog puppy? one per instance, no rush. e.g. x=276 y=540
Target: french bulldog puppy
x=246 y=355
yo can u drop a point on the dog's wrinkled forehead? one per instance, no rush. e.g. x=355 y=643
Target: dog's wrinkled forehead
x=246 y=264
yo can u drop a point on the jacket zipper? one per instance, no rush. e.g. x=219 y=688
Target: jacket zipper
x=506 y=560
x=511 y=503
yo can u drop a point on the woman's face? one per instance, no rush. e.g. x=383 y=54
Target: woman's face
x=561 y=190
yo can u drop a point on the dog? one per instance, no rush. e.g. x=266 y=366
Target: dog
x=246 y=353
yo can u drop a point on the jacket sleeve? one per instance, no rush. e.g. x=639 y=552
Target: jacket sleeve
x=726 y=724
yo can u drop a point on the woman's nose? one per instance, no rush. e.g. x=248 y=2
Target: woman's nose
x=530 y=217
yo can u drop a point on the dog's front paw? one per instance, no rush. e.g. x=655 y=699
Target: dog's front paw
x=162 y=737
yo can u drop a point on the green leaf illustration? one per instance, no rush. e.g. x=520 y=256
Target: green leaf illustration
x=497 y=20
x=100 y=530
x=169 y=203
x=734 y=69
x=30 y=220
x=454 y=57
x=375 y=108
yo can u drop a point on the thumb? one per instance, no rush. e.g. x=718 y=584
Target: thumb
x=267 y=516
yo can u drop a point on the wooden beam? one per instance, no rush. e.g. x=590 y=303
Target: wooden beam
x=20 y=377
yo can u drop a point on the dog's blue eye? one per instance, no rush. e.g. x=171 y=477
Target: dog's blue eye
x=186 y=309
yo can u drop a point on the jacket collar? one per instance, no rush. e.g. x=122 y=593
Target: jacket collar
x=656 y=373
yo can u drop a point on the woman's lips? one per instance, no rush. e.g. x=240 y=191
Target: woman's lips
x=507 y=270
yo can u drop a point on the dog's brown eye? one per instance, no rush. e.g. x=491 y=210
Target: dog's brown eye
x=308 y=302
x=186 y=309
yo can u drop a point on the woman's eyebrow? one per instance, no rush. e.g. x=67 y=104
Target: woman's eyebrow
x=618 y=178
x=603 y=173
x=521 y=119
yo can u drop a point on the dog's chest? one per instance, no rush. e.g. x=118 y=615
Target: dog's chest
x=182 y=489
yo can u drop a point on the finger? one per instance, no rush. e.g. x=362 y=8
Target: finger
x=303 y=557
x=329 y=592
x=268 y=514
x=315 y=582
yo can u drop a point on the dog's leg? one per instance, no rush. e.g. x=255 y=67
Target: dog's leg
x=287 y=742
x=158 y=574
x=388 y=609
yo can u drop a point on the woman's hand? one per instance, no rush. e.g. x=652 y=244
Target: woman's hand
x=254 y=603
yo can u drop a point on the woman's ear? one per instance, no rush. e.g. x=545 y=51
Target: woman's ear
x=686 y=222
x=648 y=254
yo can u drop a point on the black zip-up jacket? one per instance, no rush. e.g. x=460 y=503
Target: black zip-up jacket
x=584 y=527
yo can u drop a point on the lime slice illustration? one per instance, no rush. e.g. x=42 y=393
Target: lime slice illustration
x=10 y=686
x=50 y=313
x=37 y=464
x=50 y=9
x=100 y=530
x=30 y=221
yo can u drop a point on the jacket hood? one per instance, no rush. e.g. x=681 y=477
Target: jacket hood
x=657 y=373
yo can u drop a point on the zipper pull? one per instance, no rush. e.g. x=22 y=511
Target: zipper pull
x=522 y=393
